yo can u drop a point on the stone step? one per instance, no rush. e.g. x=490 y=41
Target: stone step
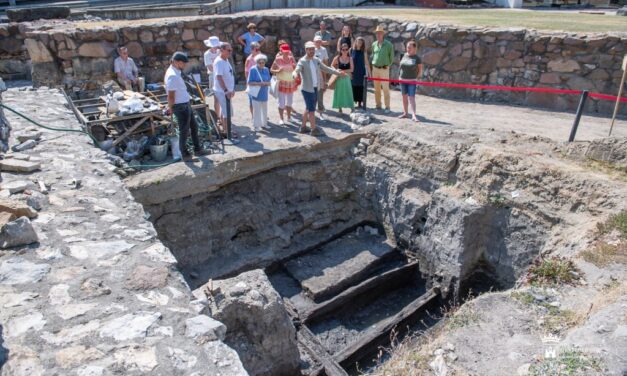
x=340 y=264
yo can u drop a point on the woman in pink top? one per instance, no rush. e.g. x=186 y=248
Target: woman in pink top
x=255 y=49
x=283 y=67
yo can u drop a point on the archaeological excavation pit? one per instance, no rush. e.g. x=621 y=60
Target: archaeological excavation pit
x=359 y=236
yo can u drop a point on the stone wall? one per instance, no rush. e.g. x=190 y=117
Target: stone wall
x=14 y=59
x=517 y=57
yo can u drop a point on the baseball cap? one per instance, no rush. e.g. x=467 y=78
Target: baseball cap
x=180 y=56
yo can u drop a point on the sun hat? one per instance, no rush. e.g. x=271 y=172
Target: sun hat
x=285 y=47
x=379 y=29
x=310 y=45
x=261 y=57
x=180 y=56
x=317 y=38
x=212 y=42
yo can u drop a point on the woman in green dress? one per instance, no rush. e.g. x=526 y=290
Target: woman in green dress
x=343 y=91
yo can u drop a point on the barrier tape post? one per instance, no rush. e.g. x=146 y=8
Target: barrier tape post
x=620 y=94
x=229 y=138
x=582 y=102
x=365 y=93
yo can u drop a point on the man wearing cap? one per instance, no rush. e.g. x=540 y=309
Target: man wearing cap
x=382 y=58
x=224 y=80
x=179 y=106
x=210 y=55
x=126 y=70
x=310 y=69
x=324 y=34
x=322 y=55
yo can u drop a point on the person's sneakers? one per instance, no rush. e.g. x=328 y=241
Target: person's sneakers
x=321 y=116
x=294 y=120
x=188 y=157
x=202 y=152
x=316 y=132
x=387 y=111
x=303 y=130
x=281 y=122
x=267 y=127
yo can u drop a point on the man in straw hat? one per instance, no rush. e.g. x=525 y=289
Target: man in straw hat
x=310 y=69
x=382 y=58
x=210 y=56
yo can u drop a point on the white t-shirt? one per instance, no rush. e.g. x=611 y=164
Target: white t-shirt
x=174 y=82
x=223 y=68
x=314 y=73
x=210 y=57
x=322 y=54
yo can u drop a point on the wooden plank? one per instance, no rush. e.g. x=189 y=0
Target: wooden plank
x=130 y=130
x=349 y=294
x=309 y=341
x=351 y=353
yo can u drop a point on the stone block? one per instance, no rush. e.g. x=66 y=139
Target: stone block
x=37 y=51
x=135 y=50
x=15 y=165
x=96 y=49
x=188 y=34
x=18 y=209
x=565 y=66
x=432 y=56
x=203 y=328
x=33 y=14
x=145 y=36
x=17 y=233
x=550 y=78
x=11 y=46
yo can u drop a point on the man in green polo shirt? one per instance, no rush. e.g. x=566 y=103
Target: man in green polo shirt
x=382 y=58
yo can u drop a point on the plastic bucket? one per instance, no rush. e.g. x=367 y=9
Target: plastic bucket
x=159 y=152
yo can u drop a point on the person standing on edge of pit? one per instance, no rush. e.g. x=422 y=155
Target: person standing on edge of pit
x=210 y=56
x=411 y=69
x=345 y=38
x=309 y=68
x=126 y=71
x=282 y=67
x=324 y=34
x=343 y=92
x=259 y=76
x=382 y=58
x=248 y=38
x=361 y=70
x=322 y=55
x=224 y=82
x=179 y=106
x=250 y=62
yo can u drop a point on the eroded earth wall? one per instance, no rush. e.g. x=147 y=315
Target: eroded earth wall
x=82 y=58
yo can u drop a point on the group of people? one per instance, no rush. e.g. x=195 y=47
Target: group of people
x=314 y=74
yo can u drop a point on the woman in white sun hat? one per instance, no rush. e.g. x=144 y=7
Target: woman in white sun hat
x=210 y=55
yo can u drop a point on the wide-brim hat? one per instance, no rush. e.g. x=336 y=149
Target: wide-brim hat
x=212 y=42
x=379 y=29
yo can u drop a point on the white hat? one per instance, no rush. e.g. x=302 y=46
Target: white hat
x=213 y=42
x=310 y=45
x=317 y=38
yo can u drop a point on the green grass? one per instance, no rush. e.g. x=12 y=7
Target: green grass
x=553 y=271
x=572 y=21
x=603 y=254
x=568 y=363
x=615 y=222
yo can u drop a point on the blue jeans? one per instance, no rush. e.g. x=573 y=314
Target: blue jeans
x=408 y=89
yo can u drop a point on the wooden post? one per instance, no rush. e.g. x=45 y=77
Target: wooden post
x=620 y=94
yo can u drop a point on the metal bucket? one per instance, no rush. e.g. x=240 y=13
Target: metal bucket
x=159 y=152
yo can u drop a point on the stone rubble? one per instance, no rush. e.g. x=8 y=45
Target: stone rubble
x=97 y=293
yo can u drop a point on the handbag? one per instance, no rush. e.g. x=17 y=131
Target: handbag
x=274 y=87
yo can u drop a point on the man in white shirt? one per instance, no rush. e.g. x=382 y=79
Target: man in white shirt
x=322 y=55
x=179 y=106
x=126 y=70
x=224 y=80
x=210 y=56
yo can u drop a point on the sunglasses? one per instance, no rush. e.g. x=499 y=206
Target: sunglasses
x=344 y=49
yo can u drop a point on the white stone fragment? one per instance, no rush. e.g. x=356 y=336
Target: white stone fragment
x=181 y=360
x=205 y=327
x=153 y=298
x=16 y=300
x=90 y=371
x=21 y=324
x=160 y=253
x=59 y=295
x=100 y=249
x=70 y=311
x=133 y=325
x=137 y=358
x=17 y=271
x=73 y=334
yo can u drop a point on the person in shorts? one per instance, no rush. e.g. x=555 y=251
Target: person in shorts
x=410 y=69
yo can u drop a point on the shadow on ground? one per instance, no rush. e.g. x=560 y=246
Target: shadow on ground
x=4 y=352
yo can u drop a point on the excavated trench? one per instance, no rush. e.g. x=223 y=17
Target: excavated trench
x=370 y=237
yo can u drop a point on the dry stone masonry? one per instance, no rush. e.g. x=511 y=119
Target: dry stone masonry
x=63 y=54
